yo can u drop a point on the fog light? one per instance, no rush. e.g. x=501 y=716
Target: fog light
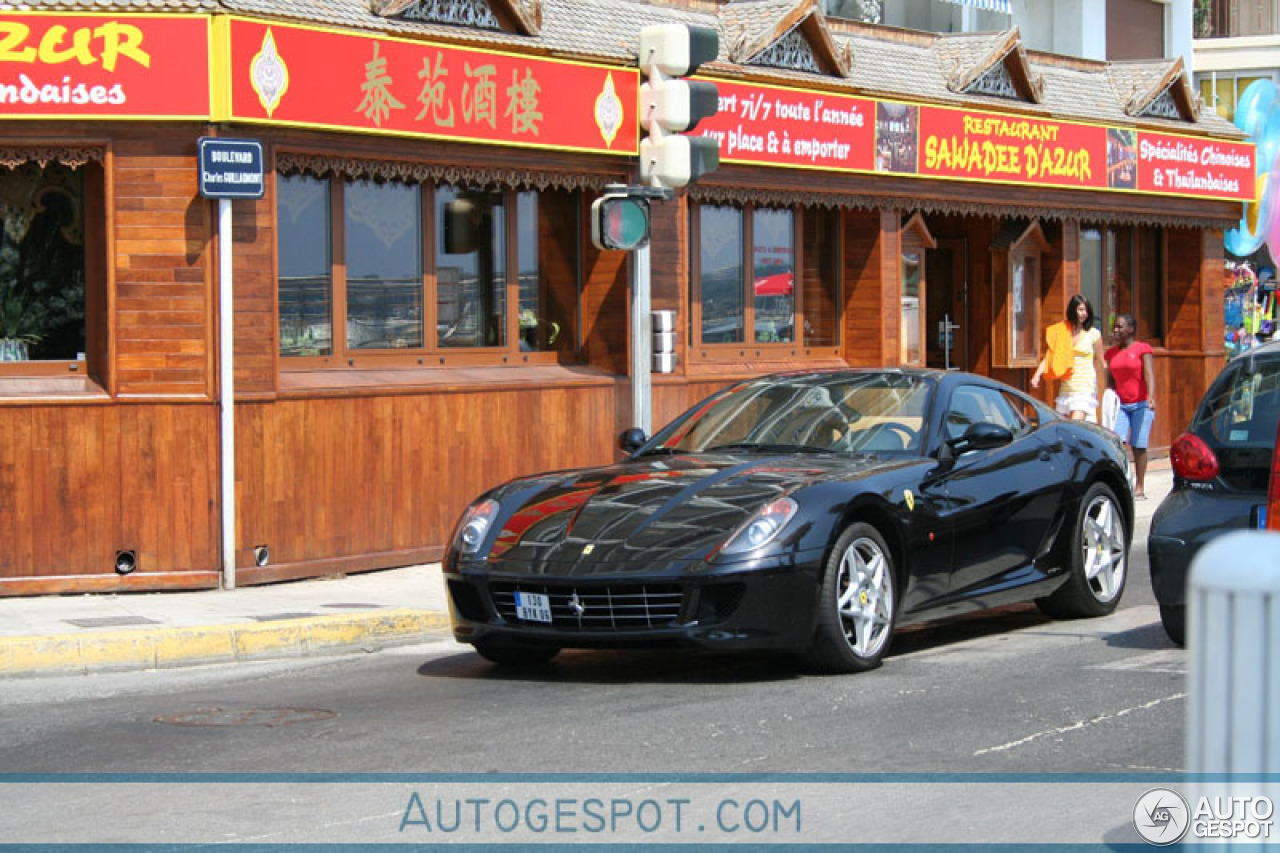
x=126 y=562
x=261 y=555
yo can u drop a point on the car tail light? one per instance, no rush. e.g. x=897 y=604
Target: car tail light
x=1273 y=491
x=1192 y=459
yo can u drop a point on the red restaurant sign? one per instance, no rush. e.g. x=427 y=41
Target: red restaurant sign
x=772 y=126
x=318 y=78
x=104 y=66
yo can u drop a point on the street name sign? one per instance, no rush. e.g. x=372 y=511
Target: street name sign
x=230 y=168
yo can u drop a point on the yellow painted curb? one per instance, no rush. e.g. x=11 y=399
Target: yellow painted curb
x=150 y=648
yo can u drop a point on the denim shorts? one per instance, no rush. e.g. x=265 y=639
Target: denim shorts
x=1133 y=424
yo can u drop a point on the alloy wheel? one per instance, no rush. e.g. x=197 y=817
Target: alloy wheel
x=866 y=597
x=1103 y=547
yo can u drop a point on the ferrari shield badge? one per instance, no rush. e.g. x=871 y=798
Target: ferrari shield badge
x=911 y=499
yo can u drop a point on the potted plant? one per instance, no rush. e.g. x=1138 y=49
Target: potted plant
x=20 y=324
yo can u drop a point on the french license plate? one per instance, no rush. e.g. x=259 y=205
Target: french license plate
x=533 y=607
x=1262 y=518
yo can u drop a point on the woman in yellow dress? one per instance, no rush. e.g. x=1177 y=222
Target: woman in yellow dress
x=1074 y=358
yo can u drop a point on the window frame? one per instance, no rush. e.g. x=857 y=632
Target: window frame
x=1031 y=241
x=916 y=239
x=1142 y=240
x=95 y=367
x=712 y=353
x=431 y=354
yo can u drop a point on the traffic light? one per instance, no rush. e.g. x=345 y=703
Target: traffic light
x=669 y=105
x=620 y=219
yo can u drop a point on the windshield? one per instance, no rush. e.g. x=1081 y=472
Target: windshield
x=864 y=412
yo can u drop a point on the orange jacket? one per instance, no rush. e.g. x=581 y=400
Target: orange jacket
x=1058 y=337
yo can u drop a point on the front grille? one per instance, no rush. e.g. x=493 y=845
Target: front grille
x=597 y=607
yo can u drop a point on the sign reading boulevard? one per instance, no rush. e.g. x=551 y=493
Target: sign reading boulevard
x=231 y=168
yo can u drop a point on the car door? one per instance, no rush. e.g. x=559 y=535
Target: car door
x=1002 y=502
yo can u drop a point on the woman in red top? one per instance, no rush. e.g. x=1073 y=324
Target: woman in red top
x=1131 y=374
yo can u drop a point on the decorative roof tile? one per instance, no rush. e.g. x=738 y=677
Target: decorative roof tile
x=975 y=57
x=1141 y=85
x=880 y=61
x=752 y=28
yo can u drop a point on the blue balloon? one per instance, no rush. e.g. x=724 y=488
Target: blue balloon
x=1258 y=114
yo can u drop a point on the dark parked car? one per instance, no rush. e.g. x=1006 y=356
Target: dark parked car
x=812 y=512
x=1221 y=467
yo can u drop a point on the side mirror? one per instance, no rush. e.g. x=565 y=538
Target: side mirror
x=980 y=436
x=632 y=440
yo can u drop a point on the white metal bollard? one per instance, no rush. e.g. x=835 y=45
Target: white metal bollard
x=1233 y=642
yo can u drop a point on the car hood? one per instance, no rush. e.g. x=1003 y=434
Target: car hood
x=614 y=517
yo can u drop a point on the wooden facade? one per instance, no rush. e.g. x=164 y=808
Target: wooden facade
x=343 y=468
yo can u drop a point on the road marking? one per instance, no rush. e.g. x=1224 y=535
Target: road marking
x=1172 y=661
x=1080 y=725
x=1018 y=642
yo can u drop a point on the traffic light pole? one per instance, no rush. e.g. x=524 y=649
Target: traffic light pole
x=641 y=343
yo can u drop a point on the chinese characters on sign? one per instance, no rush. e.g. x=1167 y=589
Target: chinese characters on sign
x=393 y=86
x=783 y=127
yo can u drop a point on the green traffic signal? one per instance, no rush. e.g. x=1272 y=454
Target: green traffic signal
x=620 y=222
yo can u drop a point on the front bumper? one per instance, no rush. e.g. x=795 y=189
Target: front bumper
x=749 y=608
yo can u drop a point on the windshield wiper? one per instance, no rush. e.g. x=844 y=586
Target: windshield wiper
x=766 y=448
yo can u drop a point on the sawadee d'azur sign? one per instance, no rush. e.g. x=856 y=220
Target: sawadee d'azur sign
x=318 y=78
x=775 y=126
x=67 y=65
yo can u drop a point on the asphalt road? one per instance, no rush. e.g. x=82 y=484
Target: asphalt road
x=1009 y=691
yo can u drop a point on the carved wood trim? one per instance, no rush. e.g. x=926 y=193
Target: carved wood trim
x=320 y=165
x=71 y=156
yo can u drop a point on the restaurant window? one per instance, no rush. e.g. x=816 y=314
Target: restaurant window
x=392 y=271
x=1026 y=305
x=763 y=309
x=52 y=306
x=1017 y=293
x=916 y=240
x=1122 y=272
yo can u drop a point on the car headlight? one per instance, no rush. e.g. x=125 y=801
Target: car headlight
x=473 y=527
x=761 y=528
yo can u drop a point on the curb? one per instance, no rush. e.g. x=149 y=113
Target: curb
x=163 y=648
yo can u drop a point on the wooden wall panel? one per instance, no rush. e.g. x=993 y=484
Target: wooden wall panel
x=605 y=306
x=889 y=317
x=161 y=228
x=862 y=290
x=83 y=482
x=1212 y=291
x=371 y=478
x=1184 y=329
x=253 y=255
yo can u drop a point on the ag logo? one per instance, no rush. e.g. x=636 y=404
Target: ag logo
x=1161 y=816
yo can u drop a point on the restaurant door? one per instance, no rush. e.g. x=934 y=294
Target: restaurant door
x=947 y=306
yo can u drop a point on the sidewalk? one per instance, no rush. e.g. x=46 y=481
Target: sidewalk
x=68 y=634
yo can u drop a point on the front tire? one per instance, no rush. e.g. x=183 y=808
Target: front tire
x=857 y=603
x=505 y=653
x=1099 y=560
